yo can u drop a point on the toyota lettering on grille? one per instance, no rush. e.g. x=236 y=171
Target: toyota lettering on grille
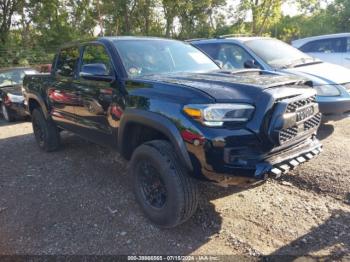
x=305 y=113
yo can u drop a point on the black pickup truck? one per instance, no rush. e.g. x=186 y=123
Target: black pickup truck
x=178 y=117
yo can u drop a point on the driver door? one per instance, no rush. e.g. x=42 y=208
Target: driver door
x=96 y=87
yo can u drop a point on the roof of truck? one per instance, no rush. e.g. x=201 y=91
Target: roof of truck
x=113 y=38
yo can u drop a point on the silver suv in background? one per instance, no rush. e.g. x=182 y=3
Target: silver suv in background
x=332 y=82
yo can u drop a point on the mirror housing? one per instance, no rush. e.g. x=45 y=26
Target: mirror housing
x=250 y=64
x=97 y=72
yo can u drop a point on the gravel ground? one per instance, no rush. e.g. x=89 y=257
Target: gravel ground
x=79 y=201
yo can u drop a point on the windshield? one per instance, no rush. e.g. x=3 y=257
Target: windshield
x=14 y=76
x=147 y=57
x=277 y=54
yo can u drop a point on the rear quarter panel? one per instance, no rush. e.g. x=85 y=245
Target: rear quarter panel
x=35 y=87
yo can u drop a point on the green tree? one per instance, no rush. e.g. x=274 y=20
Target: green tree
x=8 y=8
x=341 y=21
x=264 y=13
x=196 y=17
x=171 y=10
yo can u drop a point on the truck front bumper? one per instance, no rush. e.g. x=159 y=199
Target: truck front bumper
x=258 y=167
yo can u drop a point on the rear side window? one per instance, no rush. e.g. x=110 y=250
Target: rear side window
x=211 y=50
x=67 y=61
x=232 y=56
x=331 y=45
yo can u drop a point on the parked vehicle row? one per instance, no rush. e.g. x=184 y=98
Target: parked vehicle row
x=332 y=82
x=229 y=110
x=178 y=117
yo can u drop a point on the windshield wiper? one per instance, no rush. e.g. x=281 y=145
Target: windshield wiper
x=309 y=63
x=302 y=62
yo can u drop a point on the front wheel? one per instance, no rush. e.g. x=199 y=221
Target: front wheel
x=45 y=131
x=164 y=190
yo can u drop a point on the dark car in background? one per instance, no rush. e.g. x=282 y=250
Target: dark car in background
x=11 y=97
x=332 y=82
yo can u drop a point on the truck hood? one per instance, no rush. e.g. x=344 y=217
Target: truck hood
x=230 y=85
x=323 y=73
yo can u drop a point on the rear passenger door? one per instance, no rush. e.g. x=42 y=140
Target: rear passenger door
x=96 y=87
x=62 y=95
x=346 y=58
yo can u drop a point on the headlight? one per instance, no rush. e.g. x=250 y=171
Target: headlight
x=15 y=98
x=327 y=90
x=217 y=114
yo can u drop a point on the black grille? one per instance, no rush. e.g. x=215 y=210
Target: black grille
x=313 y=122
x=288 y=134
x=292 y=107
x=306 y=125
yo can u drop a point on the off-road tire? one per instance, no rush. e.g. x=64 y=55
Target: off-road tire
x=45 y=131
x=182 y=194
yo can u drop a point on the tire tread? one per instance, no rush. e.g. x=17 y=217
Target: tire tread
x=190 y=200
x=53 y=140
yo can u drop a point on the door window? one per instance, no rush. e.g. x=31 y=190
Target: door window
x=97 y=55
x=348 y=44
x=232 y=56
x=67 y=61
x=331 y=45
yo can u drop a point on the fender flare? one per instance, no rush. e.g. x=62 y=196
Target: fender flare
x=40 y=101
x=159 y=123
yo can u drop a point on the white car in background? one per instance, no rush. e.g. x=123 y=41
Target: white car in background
x=333 y=48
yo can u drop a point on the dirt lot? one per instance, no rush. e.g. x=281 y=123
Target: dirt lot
x=78 y=201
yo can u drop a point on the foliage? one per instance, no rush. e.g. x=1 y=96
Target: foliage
x=264 y=13
x=31 y=30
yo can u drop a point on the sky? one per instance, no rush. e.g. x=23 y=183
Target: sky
x=288 y=8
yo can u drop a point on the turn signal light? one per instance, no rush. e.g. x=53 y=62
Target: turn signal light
x=192 y=112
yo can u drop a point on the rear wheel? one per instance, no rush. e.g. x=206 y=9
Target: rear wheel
x=6 y=114
x=164 y=190
x=45 y=131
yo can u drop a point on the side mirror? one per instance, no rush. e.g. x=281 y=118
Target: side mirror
x=97 y=72
x=219 y=63
x=250 y=64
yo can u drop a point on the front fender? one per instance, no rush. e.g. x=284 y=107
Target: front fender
x=159 y=123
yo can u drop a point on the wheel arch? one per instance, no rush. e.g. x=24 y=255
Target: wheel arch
x=158 y=123
x=35 y=101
